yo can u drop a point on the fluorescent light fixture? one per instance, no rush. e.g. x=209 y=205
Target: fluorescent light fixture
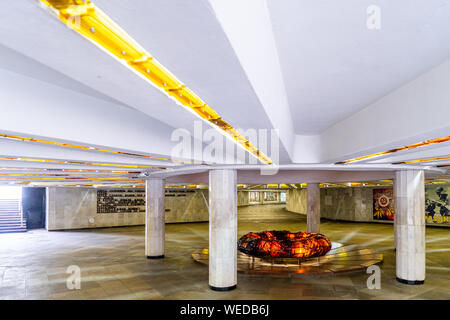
x=93 y=24
x=409 y=147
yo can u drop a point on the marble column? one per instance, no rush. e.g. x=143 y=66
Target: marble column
x=222 y=230
x=154 y=218
x=313 y=204
x=409 y=193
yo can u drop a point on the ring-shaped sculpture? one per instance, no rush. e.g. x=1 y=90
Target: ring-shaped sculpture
x=284 y=244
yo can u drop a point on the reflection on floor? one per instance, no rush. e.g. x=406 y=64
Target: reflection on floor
x=33 y=265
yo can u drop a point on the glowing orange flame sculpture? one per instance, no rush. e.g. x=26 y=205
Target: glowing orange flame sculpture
x=284 y=244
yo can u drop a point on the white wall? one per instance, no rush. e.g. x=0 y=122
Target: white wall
x=413 y=113
x=417 y=111
x=72 y=208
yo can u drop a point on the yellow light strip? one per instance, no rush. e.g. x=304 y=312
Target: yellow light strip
x=409 y=147
x=59 y=175
x=93 y=24
x=423 y=160
x=66 y=145
x=80 y=162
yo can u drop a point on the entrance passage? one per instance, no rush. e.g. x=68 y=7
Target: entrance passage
x=11 y=218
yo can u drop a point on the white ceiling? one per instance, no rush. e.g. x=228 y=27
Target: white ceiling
x=333 y=65
x=330 y=67
x=185 y=37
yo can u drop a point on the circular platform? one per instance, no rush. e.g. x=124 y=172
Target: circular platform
x=341 y=258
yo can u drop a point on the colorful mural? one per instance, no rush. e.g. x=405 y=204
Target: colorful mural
x=437 y=206
x=383 y=204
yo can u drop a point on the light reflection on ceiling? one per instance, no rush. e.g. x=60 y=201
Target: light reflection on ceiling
x=67 y=145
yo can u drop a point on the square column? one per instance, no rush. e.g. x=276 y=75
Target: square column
x=154 y=218
x=313 y=204
x=409 y=193
x=222 y=230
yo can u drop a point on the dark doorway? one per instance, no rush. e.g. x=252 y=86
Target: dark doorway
x=33 y=207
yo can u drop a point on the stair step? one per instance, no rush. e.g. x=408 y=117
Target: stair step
x=12 y=221
x=18 y=231
x=9 y=223
x=14 y=226
x=11 y=229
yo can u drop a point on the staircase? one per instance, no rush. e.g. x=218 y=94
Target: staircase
x=11 y=219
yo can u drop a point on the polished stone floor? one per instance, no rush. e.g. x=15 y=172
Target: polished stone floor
x=33 y=265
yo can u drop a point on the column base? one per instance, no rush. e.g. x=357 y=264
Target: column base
x=411 y=282
x=155 y=257
x=222 y=288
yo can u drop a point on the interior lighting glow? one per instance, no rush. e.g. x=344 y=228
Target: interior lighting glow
x=80 y=162
x=424 y=160
x=67 y=145
x=93 y=24
x=409 y=147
